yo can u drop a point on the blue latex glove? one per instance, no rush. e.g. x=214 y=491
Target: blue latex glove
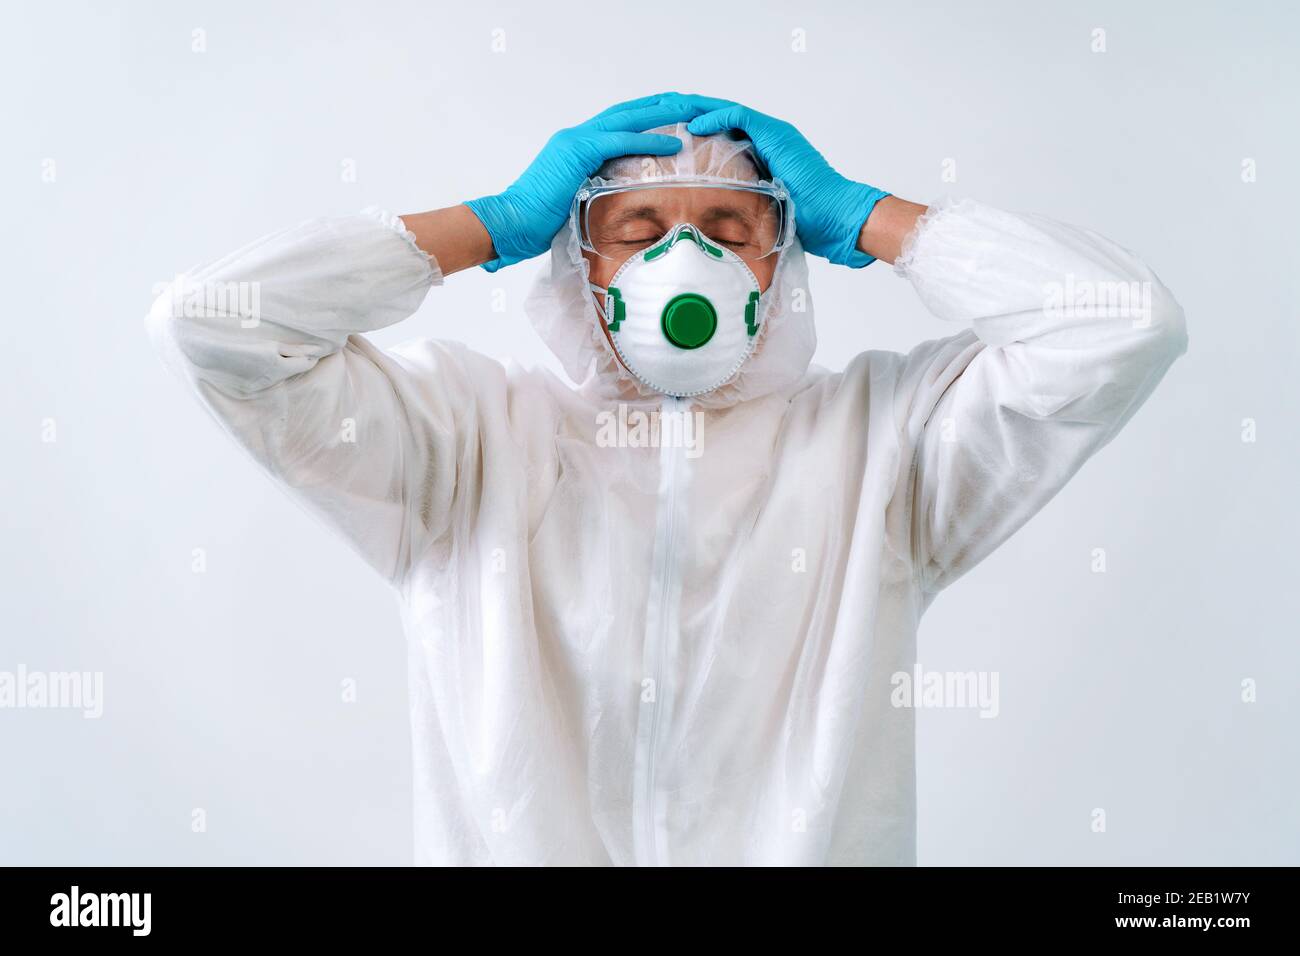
x=523 y=219
x=829 y=209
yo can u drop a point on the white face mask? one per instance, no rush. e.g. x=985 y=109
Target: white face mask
x=683 y=314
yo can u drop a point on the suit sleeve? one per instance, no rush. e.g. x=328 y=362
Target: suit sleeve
x=1068 y=334
x=269 y=339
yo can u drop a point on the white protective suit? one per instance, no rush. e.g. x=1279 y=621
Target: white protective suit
x=641 y=655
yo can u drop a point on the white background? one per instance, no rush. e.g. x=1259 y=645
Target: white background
x=1119 y=691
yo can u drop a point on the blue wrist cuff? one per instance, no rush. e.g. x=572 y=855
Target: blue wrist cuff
x=491 y=212
x=864 y=202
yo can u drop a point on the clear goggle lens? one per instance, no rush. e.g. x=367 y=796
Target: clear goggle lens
x=618 y=223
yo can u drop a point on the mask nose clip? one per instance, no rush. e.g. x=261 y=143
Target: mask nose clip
x=684 y=230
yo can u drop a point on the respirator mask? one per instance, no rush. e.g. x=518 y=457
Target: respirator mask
x=684 y=308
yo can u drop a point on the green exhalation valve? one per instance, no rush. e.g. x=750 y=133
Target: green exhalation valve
x=689 y=320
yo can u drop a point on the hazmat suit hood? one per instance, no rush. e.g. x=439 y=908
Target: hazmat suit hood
x=561 y=309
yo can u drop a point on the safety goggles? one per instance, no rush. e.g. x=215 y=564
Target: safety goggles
x=617 y=221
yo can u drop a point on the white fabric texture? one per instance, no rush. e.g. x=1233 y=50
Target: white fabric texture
x=636 y=655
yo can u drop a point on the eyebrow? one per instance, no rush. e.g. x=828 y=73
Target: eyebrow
x=635 y=213
x=714 y=213
x=654 y=214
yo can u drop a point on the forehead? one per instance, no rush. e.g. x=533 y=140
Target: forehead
x=675 y=200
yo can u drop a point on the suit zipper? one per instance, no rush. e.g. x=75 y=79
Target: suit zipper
x=658 y=638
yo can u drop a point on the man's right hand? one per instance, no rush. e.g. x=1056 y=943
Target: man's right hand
x=523 y=219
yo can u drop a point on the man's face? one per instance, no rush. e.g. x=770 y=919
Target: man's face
x=623 y=224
